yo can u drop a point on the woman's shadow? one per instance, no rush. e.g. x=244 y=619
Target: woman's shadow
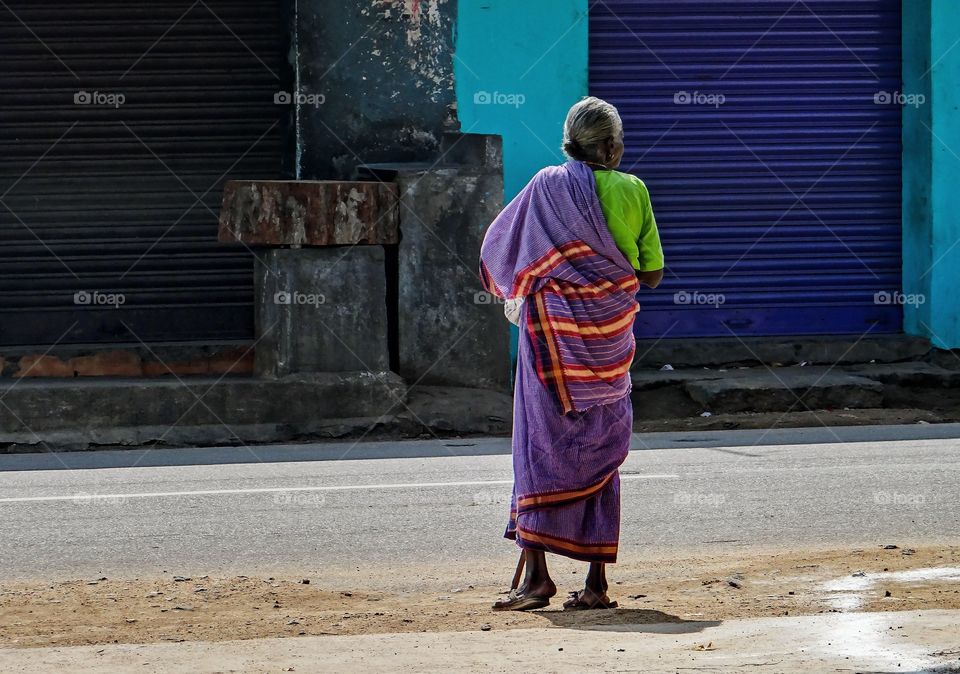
x=626 y=620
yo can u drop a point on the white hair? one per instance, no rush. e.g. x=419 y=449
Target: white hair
x=589 y=124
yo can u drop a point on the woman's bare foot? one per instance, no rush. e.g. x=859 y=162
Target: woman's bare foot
x=594 y=594
x=588 y=599
x=536 y=589
x=541 y=588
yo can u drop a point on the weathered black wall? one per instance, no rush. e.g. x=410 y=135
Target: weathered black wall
x=385 y=71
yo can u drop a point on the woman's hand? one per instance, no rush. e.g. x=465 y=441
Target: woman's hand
x=650 y=278
x=511 y=309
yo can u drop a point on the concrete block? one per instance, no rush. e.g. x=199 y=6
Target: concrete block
x=450 y=333
x=308 y=213
x=472 y=149
x=321 y=310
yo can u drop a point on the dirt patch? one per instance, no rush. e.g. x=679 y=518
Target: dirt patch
x=703 y=588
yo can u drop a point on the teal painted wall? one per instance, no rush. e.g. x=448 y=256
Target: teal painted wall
x=917 y=164
x=518 y=68
x=508 y=49
x=931 y=170
x=945 y=76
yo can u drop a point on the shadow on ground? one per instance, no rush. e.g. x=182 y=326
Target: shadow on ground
x=626 y=620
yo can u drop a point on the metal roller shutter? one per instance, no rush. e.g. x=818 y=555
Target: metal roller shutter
x=121 y=199
x=780 y=203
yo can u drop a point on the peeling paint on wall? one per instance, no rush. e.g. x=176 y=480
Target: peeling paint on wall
x=419 y=21
x=385 y=68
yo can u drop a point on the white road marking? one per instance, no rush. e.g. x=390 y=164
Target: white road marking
x=82 y=496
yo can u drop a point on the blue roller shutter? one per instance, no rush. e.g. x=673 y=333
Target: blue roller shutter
x=764 y=132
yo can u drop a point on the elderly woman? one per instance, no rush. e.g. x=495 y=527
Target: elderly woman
x=568 y=255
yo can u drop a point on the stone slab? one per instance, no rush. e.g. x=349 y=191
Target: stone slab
x=779 y=390
x=644 y=379
x=776 y=351
x=914 y=374
x=309 y=213
x=321 y=310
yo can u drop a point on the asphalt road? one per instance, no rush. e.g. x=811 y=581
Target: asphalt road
x=338 y=509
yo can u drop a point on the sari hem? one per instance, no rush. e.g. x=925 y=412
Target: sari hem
x=582 y=552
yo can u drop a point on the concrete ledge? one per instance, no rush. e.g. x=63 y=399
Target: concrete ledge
x=778 y=351
x=910 y=374
x=683 y=393
x=39 y=415
x=34 y=410
x=764 y=391
x=448 y=409
x=81 y=414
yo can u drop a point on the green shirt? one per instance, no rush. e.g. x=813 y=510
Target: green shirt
x=625 y=202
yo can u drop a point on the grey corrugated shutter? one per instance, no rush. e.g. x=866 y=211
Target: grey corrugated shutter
x=103 y=197
x=800 y=118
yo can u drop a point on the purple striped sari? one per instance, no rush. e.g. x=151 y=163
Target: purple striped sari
x=572 y=412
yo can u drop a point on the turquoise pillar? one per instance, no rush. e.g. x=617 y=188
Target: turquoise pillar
x=931 y=171
x=519 y=66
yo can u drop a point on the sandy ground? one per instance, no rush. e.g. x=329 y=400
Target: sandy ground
x=704 y=588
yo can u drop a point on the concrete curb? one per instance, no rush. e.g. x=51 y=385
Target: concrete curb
x=81 y=414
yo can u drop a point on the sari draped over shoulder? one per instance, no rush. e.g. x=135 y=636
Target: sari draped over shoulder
x=572 y=413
